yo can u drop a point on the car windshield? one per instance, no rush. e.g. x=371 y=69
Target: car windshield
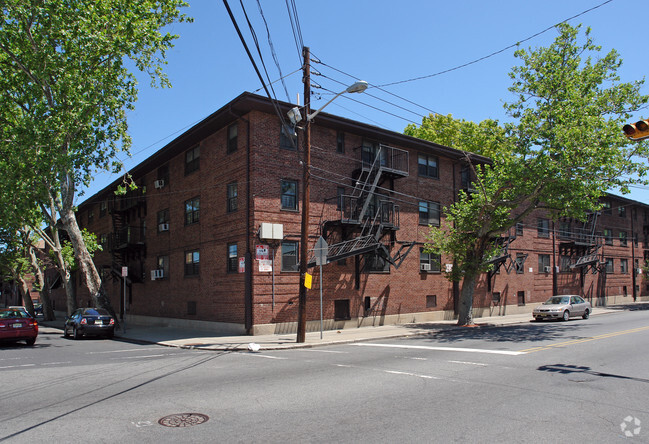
x=95 y=312
x=557 y=300
x=5 y=314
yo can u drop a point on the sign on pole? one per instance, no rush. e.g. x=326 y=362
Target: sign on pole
x=321 y=250
x=242 y=265
x=124 y=271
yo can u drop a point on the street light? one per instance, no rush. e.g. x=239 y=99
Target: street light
x=294 y=116
x=637 y=131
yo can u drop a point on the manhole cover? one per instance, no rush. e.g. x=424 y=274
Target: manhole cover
x=183 y=420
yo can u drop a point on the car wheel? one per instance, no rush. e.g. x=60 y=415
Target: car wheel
x=65 y=332
x=539 y=319
x=566 y=315
x=30 y=341
x=586 y=314
x=75 y=333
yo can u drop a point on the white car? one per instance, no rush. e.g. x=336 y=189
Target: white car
x=563 y=307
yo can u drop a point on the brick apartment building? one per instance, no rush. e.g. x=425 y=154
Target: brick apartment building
x=211 y=236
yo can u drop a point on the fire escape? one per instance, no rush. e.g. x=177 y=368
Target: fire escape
x=582 y=245
x=127 y=242
x=503 y=257
x=363 y=219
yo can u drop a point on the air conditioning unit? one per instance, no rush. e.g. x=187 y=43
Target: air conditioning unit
x=159 y=183
x=424 y=267
x=547 y=269
x=157 y=274
x=163 y=227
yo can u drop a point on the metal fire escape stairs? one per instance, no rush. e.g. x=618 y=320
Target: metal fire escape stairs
x=583 y=245
x=503 y=259
x=364 y=215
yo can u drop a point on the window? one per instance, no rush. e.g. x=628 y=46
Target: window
x=103 y=208
x=521 y=298
x=192 y=159
x=192 y=211
x=232 y=197
x=564 y=263
x=606 y=208
x=375 y=263
x=192 y=262
x=609 y=265
x=427 y=166
x=608 y=236
x=544 y=263
x=287 y=138
x=429 y=262
x=290 y=256
x=564 y=230
x=519 y=264
x=621 y=211
x=163 y=220
x=340 y=142
x=465 y=177
x=233 y=259
x=623 y=238
x=103 y=241
x=232 y=138
x=371 y=151
x=431 y=301
x=163 y=264
x=340 y=202
x=341 y=310
x=543 y=227
x=91 y=215
x=624 y=266
x=289 y=194
x=519 y=229
x=429 y=213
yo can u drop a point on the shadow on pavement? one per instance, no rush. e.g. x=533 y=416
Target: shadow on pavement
x=532 y=332
x=566 y=369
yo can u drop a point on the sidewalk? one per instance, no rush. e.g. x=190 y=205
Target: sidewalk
x=196 y=339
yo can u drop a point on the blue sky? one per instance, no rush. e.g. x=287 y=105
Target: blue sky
x=379 y=41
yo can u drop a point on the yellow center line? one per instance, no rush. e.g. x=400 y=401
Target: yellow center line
x=579 y=341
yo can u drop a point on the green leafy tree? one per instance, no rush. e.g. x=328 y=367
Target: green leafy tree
x=562 y=151
x=65 y=87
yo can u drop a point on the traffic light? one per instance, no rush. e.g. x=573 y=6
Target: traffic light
x=638 y=130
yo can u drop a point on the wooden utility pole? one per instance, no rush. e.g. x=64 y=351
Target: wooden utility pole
x=304 y=251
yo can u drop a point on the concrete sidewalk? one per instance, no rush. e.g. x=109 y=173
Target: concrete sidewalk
x=197 y=339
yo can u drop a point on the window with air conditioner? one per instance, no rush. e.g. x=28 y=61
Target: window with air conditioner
x=159 y=183
x=424 y=267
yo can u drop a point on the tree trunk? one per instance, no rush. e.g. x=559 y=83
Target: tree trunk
x=48 y=313
x=27 y=299
x=85 y=262
x=465 y=309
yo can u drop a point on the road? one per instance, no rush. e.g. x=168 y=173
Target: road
x=573 y=381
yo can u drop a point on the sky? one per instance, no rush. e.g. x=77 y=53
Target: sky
x=461 y=52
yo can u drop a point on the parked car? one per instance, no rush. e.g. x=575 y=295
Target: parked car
x=17 y=325
x=38 y=309
x=89 y=321
x=563 y=307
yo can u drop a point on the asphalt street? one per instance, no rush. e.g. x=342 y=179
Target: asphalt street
x=576 y=381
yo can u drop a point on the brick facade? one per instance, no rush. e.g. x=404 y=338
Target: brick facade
x=219 y=296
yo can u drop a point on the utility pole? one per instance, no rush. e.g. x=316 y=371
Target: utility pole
x=304 y=251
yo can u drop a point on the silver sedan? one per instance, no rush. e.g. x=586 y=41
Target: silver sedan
x=563 y=307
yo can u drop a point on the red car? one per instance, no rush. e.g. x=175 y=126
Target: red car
x=17 y=325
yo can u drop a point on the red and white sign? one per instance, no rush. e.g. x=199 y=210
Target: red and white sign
x=124 y=271
x=265 y=265
x=262 y=252
x=242 y=265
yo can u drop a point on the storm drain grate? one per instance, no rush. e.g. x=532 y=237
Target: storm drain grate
x=183 y=420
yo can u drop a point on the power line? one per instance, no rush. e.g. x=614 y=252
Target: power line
x=496 y=52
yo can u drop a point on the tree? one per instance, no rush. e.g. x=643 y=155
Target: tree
x=65 y=87
x=562 y=151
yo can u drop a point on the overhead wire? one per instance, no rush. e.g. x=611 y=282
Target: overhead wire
x=272 y=50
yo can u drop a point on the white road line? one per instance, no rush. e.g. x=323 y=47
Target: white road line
x=56 y=363
x=18 y=366
x=425 y=347
x=469 y=363
x=261 y=356
x=410 y=374
x=321 y=351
